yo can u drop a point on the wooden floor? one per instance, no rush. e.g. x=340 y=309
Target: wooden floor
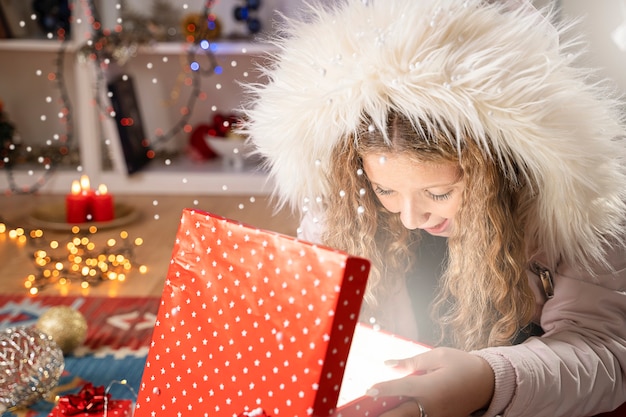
x=156 y=224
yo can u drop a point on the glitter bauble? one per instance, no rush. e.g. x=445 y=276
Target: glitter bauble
x=31 y=364
x=66 y=326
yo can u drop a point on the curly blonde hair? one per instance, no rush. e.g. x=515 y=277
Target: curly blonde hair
x=484 y=297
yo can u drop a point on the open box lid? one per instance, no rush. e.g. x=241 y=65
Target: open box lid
x=250 y=319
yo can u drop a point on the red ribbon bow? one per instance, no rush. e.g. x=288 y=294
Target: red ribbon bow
x=90 y=399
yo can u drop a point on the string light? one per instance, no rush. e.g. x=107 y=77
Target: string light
x=123 y=383
x=95 y=48
x=49 y=162
x=193 y=72
x=77 y=258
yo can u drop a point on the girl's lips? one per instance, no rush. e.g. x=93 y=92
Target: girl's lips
x=439 y=228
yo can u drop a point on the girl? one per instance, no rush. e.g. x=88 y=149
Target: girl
x=386 y=123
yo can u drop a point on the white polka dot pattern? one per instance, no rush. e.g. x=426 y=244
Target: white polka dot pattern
x=249 y=320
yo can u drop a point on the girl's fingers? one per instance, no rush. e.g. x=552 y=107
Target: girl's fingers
x=409 y=386
x=406 y=409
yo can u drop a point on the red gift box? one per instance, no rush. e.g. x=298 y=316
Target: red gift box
x=91 y=401
x=250 y=320
x=114 y=408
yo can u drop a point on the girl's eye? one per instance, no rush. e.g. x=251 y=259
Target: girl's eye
x=440 y=197
x=381 y=191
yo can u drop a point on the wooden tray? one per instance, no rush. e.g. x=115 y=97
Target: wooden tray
x=52 y=217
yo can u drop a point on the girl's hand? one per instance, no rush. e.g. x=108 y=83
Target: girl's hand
x=446 y=382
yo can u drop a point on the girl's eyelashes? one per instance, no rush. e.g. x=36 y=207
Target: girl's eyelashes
x=381 y=191
x=437 y=197
x=440 y=197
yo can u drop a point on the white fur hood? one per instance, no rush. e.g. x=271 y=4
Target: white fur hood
x=505 y=76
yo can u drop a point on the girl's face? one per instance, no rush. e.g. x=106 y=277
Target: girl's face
x=426 y=195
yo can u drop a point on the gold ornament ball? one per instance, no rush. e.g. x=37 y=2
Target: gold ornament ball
x=66 y=326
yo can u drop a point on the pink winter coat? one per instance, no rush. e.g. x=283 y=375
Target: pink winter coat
x=581 y=356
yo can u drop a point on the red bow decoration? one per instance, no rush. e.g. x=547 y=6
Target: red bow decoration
x=259 y=412
x=90 y=399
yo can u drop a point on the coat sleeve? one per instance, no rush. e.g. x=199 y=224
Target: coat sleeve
x=578 y=367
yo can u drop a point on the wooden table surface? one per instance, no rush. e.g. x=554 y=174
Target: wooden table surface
x=156 y=224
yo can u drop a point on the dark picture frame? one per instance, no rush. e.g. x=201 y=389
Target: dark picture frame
x=135 y=144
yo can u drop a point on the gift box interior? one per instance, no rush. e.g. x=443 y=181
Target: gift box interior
x=251 y=320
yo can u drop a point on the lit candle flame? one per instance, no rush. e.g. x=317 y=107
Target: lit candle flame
x=102 y=189
x=84 y=183
x=76 y=187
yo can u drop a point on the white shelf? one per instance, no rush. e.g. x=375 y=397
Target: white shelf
x=187 y=177
x=181 y=178
x=33 y=45
x=218 y=47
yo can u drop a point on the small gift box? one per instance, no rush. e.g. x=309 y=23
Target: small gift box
x=91 y=401
x=251 y=323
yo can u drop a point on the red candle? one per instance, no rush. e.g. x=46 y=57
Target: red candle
x=86 y=190
x=76 y=205
x=102 y=209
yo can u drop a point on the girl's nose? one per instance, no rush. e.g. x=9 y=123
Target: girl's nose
x=412 y=215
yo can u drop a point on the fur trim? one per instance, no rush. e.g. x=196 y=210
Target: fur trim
x=505 y=76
